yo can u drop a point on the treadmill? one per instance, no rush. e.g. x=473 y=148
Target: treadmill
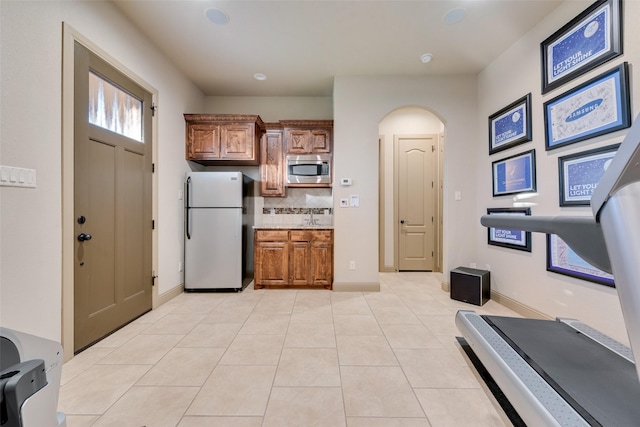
x=563 y=372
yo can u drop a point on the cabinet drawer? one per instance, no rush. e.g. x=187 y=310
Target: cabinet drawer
x=323 y=236
x=272 y=235
x=311 y=235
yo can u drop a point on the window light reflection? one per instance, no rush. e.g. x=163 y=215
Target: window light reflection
x=113 y=109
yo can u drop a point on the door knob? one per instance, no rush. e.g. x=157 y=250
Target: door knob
x=82 y=237
x=402 y=221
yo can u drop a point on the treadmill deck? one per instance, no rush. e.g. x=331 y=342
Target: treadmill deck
x=599 y=384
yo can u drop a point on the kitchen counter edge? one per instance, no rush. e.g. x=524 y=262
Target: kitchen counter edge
x=292 y=227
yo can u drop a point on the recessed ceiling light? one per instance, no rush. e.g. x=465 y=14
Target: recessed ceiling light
x=426 y=58
x=259 y=76
x=216 y=16
x=454 y=16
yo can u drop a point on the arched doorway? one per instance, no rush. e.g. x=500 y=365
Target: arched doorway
x=418 y=131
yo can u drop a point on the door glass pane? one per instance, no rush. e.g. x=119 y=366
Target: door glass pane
x=114 y=109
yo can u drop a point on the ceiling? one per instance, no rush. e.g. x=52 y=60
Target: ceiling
x=300 y=45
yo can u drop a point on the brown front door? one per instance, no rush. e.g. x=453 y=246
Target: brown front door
x=112 y=162
x=415 y=198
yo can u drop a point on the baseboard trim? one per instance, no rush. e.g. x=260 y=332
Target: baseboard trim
x=445 y=286
x=518 y=307
x=169 y=295
x=356 y=287
x=388 y=269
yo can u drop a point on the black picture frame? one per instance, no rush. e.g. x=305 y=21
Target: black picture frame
x=597 y=107
x=512 y=239
x=511 y=125
x=580 y=173
x=514 y=174
x=561 y=259
x=584 y=43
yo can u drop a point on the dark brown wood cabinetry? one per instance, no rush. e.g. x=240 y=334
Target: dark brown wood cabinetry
x=245 y=140
x=272 y=169
x=307 y=136
x=223 y=139
x=293 y=258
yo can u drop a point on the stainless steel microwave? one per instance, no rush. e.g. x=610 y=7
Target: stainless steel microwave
x=309 y=169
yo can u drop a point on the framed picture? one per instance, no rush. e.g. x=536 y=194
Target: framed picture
x=515 y=174
x=511 y=125
x=587 y=41
x=594 y=108
x=562 y=259
x=514 y=239
x=580 y=174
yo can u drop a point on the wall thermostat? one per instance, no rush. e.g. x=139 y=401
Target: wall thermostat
x=345 y=182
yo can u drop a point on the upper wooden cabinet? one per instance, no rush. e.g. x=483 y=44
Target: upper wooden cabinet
x=223 y=139
x=272 y=170
x=307 y=136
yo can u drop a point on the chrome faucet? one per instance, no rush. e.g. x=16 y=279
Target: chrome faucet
x=311 y=220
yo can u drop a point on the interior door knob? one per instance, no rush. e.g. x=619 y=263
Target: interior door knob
x=402 y=221
x=82 y=237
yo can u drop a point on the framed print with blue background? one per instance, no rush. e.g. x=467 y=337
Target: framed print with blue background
x=515 y=174
x=587 y=41
x=562 y=259
x=514 y=239
x=511 y=125
x=596 y=107
x=580 y=173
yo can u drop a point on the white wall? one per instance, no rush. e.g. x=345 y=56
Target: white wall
x=519 y=275
x=30 y=113
x=272 y=108
x=360 y=104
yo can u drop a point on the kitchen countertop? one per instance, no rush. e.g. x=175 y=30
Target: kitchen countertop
x=292 y=226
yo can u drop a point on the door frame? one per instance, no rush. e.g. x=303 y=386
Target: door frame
x=69 y=37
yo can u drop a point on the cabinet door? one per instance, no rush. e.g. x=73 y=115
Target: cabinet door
x=203 y=142
x=271 y=264
x=322 y=264
x=320 y=141
x=237 y=142
x=300 y=263
x=272 y=165
x=298 y=141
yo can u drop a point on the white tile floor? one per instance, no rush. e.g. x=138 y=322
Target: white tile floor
x=285 y=358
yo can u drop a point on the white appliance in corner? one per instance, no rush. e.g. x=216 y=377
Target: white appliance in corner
x=218 y=231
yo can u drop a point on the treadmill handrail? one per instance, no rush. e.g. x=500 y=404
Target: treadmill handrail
x=582 y=234
x=623 y=170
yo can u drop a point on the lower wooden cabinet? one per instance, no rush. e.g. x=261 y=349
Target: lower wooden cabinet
x=293 y=258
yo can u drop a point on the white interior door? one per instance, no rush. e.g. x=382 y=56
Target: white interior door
x=415 y=192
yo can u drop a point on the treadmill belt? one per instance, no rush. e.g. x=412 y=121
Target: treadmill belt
x=602 y=386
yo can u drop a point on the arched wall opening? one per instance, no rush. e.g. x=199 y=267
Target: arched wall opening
x=412 y=121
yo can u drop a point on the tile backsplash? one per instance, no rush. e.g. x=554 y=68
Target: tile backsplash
x=298 y=206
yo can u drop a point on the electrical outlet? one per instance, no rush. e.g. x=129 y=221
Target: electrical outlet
x=352 y=265
x=487 y=267
x=472 y=265
x=180 y=266
x=180 y=194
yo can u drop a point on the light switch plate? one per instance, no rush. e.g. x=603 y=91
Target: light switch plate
x=344 y=203
x=17 y=177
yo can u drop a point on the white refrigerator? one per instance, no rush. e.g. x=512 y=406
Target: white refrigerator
x=218 y=250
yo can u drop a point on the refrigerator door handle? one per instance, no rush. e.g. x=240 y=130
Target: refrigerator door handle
x=188 y=209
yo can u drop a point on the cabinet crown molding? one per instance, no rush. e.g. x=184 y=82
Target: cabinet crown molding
x=225 y=118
